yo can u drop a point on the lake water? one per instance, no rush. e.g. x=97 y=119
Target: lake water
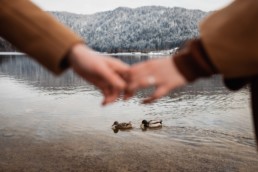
x=36 y=104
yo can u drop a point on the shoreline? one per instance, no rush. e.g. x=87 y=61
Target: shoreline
x=96 y=151
x=151 y=53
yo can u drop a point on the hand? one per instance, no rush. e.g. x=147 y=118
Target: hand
x=102 y=71
x=161 y=73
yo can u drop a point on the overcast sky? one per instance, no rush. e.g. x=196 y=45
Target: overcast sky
x=92 y=6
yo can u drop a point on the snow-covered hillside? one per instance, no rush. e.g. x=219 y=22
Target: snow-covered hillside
x=141 y=29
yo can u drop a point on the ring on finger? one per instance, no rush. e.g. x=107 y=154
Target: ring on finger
x=151 y=80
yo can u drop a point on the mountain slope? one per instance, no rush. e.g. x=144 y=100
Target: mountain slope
x=140 y=29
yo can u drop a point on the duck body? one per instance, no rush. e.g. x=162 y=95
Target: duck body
x=151 y=124
x=121 y=126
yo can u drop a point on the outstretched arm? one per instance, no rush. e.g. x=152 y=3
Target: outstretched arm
x=56 y=47
x=169 y=73
x=228 y=44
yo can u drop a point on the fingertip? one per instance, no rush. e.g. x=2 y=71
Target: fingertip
x=147 y=101
x=127 y=97
x=104 y=102
x=112 y=97
x=107 y=100
x=128 y=94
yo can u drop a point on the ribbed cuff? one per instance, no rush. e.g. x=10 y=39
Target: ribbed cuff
x=193 y=62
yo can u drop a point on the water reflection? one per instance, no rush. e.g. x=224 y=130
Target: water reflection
x=26 y=70
x=54 y=106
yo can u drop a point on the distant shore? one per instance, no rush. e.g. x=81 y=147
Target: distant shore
x=152 y=53
x=11 y=53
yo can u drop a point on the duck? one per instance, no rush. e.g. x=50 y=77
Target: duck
x=151 y=124
x=121 y=126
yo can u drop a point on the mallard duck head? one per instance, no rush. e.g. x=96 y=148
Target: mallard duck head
x=144 y=124
x=115 y=123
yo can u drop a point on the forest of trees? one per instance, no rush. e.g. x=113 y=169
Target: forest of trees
x=141 y=29
x=5 y=46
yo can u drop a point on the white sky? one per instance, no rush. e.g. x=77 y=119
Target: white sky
x=92 y=6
